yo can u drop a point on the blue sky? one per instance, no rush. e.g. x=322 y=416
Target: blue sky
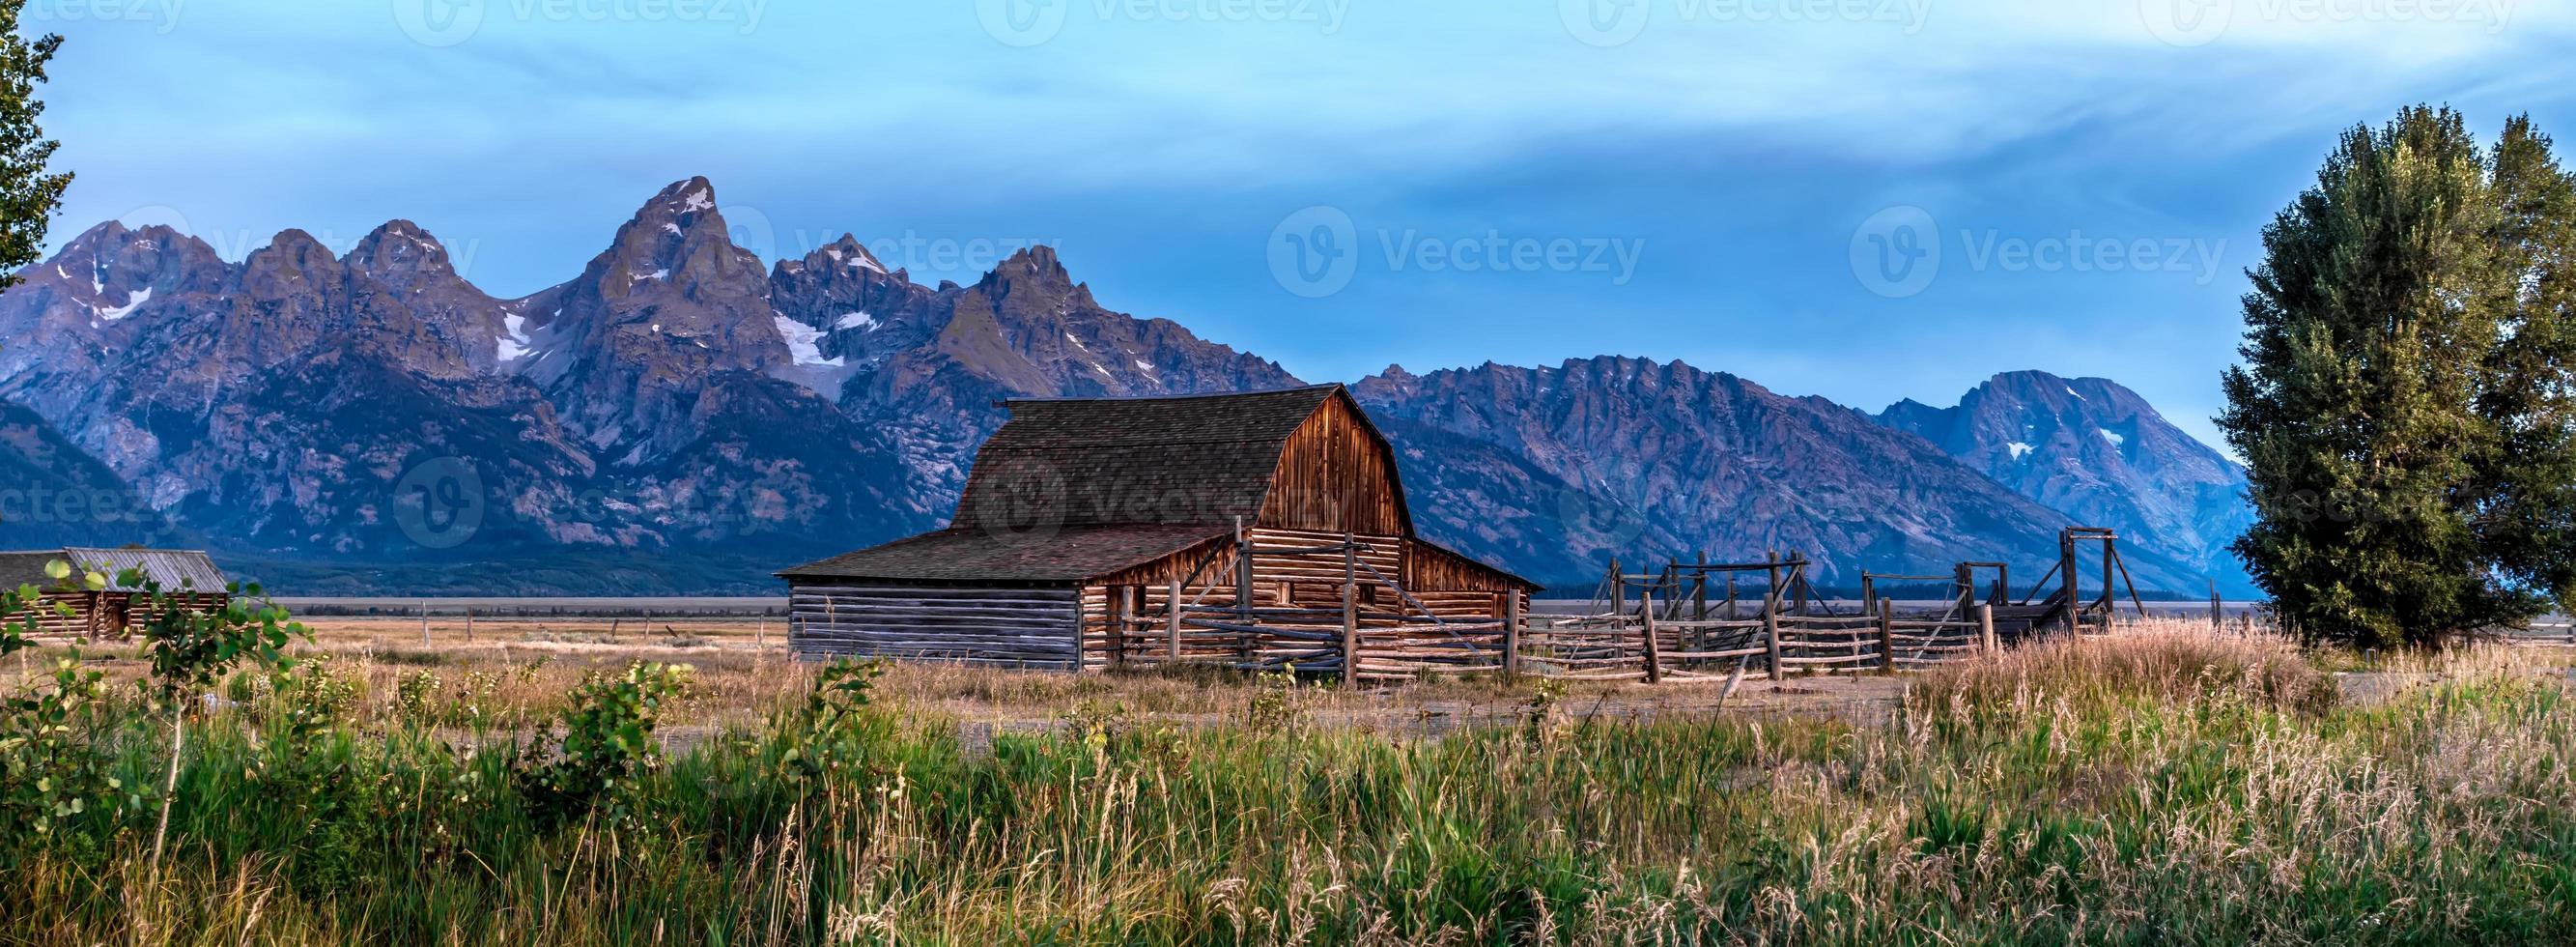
x=1861 y=199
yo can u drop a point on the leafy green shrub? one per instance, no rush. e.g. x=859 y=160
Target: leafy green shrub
x=56 y=786
x=311 y=698
x=1273 y=705
x=416 y=697
x=607 y=744
x=829 y=735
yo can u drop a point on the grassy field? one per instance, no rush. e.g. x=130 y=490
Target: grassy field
x=2164 y=786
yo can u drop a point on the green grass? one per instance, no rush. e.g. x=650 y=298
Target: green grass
x=2135 y=793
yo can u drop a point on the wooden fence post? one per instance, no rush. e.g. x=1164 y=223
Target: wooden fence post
x=424 y=624
x=2217 y=612
x=1771 y=640
x=2066 y=573
x=1654 y=655
x=469 y=624
x=1173 y=650
x=1887 y=636
x=1986 y=629
x=1699 y=603
x=1512 y=633
x=1114 y=624
x=1350 y=609
x=1077 y=628
x=1243 y=591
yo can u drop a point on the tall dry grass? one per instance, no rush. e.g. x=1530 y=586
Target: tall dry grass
x=2164 y=785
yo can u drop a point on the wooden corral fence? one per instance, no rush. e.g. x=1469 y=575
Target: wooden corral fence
x=1329 y=604
x=1668 y=627
x=2554 y=632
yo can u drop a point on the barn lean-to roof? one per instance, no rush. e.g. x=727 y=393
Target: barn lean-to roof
x=1039 y=557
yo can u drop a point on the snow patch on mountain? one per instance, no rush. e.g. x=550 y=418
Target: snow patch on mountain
x=804 y=343
x=132 y=301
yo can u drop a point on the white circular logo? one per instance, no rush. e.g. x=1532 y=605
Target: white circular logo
x=1022 y=499
x=1600 y=521
x=2185 y=22
x=439 y=22
x=1603 y=23
x=1314 y=252
x=751 y=230
x=1021 y=23
x=1897 y=251
x=439 y=503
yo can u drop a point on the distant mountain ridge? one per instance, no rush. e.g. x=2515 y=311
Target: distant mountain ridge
x=2098 y=452
x=1667 y=460
x=678 y=418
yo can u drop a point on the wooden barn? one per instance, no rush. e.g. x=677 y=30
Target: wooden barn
x=1261 y=530
x=187 y=576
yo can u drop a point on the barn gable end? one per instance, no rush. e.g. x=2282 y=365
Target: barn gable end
x=1335 y=474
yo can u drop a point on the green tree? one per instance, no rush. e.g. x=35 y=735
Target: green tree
x=28 y=193
x=2404 y=401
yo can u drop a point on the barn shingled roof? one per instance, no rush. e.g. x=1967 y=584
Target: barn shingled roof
x=1188 y=460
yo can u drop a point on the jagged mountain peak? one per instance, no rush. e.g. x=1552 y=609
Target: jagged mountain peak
x=291 y=257
x=845 y=254
x=403 y=256
x=678 y=240
x=1037 y=272
x=687 y=196
x=112 y=270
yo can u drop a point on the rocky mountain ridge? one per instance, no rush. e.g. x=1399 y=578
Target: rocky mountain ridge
x=678 y=418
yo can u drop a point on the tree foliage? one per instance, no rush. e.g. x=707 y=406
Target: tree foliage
x=2405 y=401
x=28 y=192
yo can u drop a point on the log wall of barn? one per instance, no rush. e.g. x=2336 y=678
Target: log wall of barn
x=1009 y=627
x=107 y=614
x=1128 y=621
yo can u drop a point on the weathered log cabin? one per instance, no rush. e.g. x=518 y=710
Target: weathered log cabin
x=1261 y=530
x=186 y=577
